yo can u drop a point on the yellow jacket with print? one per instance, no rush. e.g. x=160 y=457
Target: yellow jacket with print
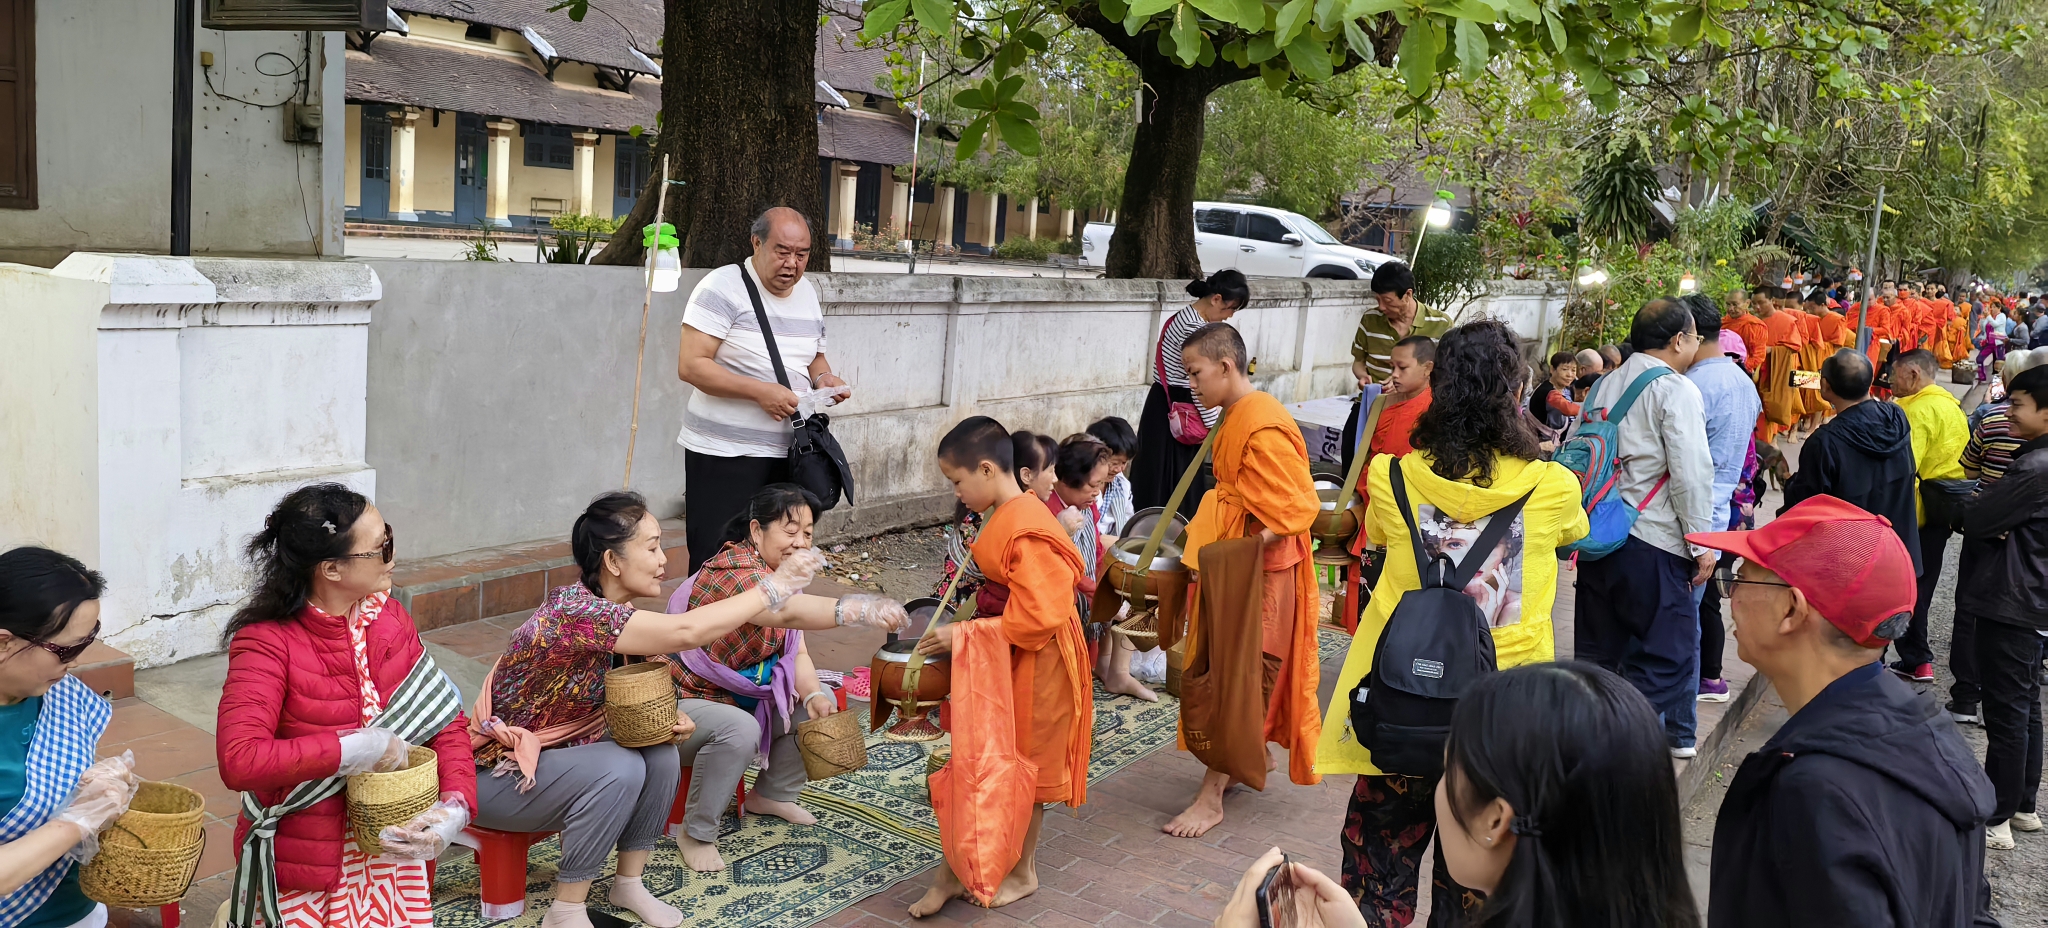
x=1940 y=432
x=1551 y=518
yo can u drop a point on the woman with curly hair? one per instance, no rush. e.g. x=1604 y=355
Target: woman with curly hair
x=1474 y=456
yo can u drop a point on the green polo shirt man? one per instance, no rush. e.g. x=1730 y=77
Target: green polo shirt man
x=1397 y=317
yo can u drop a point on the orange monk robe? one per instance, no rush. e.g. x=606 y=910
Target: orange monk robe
x=1754 y=338
x=1959 y=334
x=1390 y=435
x=1024 y=548
x=1262 y=479
x=1785 y=336
x=1836 y=332
x=1937 y=325
x=1810 y=355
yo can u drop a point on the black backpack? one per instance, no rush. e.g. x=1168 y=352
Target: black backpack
x=1435 y=645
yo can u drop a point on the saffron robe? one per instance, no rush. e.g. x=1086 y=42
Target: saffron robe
x=1390 y=435
x=1755 y=338
x=1023 y=548
x=1262 y=479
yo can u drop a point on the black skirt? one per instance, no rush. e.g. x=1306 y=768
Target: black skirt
x=1162 y=459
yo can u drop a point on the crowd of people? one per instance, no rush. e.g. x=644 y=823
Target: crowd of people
x=1545 y=787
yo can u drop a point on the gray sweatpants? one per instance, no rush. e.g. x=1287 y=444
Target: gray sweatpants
x=726 y=741
x=599 y=796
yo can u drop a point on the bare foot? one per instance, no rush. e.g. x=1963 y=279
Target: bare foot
x=1128 y=685
x=699 y=855
x=1201 y=815
x=944 y=886
x=1020 y=882
x=787 y=811
x=1272 y=763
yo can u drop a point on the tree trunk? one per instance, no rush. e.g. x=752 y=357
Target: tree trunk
x=738 y=125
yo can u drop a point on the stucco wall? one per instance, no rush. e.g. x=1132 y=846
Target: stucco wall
x=103 y=131
x=49 y=457
x=433 y=165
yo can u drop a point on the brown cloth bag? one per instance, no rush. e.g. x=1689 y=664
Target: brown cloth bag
x=1222 y=708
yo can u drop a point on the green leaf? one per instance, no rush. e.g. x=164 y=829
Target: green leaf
x=1716 y=33
x=1021 y=136
x=935 y=15
x=1685 y=30
x=1360 y=9
x=883 y=18
x=1292 y=17
x=1310 y=58
x=1010 y=57
x=971 y=47
x=1326 y=13
x=1261 y=48
x=577 y=8
x=1558 y=39
x=636 y=131
x=1472 y=49
x=1251 y=14
x=1019 y=109
x=1113 y=10
x=1150 y=8
x=1187 y=35
x=1034 y=40
x=1007 y=89
x=1521 y=11
x=1222 y=10
x=970 y=137
x=1207 y=56
x=973 y=98
x=1419 y=48
x=1361 y=44
x=1274 y=76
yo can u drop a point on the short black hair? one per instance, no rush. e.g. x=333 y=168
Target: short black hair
x=1768 y=290
x=1657 y=323
x=2033 y=382
x=1422 y=346
x=1218 y=341
x=1563 y=358
x=1077 y=458
x=1706 y=317
x=1116 y=432
x=1394 y=277
x=40 y=589
x=608 y=524
x=1919 y=359
x=977 y=439
x=1847 y=372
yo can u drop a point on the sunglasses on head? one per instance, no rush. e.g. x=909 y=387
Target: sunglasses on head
x=383 y=551
x=66 y=653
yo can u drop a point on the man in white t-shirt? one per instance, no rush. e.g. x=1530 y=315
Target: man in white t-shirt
x=736 y=430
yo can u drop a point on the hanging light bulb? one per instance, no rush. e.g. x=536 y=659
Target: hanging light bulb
x=665 y=270
x=1439 y=214
x=1687 y=284
x=1788 y=282
x=1592 y=277
x=1855 y=274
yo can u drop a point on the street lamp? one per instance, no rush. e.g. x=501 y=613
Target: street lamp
x=1687 y=284
x=1592 y=277
x=1439 y=214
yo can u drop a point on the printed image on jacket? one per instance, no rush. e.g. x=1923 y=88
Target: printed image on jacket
x=1497 y=585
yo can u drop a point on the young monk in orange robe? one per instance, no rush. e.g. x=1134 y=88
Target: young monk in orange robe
x=1813 y=349
x=1023 y=550
x=1784 y=338
x=1406 y=399
x=1263 y=488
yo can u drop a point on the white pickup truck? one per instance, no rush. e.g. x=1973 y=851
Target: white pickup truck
x=1258 y=240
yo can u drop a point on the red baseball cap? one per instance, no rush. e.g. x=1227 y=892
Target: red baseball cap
x=1850 y=564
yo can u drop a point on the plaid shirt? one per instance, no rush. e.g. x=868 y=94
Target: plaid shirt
x=735 y=569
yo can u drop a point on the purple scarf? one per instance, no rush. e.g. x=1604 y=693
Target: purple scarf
x=781 y=686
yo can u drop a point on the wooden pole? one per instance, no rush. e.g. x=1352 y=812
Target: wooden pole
x=646 y=307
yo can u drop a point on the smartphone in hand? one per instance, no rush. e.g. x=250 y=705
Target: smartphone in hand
x=1276 y=896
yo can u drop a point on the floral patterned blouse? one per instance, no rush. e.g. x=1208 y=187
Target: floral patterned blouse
x=735 y=569
x=552 y=671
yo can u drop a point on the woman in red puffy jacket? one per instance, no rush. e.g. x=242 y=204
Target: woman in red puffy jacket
x=327 y=678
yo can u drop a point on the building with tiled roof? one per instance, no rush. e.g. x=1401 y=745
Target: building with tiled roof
x=505 y=112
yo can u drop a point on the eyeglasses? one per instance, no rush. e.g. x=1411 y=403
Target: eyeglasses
x=1724 y=587
x=383 y=551
x=66 y=653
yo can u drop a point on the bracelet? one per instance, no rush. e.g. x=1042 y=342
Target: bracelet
x=819 y=693
x=839 y=613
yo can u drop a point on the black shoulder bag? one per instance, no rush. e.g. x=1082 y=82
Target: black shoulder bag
x=815 y=461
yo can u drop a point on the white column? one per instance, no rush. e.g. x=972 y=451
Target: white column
x=900 y=210
x=498 y=168
x=1031 y=218
x=586 y=172
x=842 y=207
x=991 y=208
x=942 y=224
x=1066 y=223
x=402 y=123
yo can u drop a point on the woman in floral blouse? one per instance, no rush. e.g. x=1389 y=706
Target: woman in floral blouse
x=746 y=691
x=541 y=729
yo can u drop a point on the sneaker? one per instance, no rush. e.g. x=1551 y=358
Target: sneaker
x=1918 y=673
x=1713 y=690
x=2026 y=821
x=1686 y=752
x=1964 y=713
x=1999 y=837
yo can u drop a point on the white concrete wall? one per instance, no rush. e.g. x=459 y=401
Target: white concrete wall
x=217 y=386
x=500 y=395
x=49 y=401
x=103 y=140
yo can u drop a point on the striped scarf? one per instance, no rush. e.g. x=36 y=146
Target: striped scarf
x=420 y=708
x=67 y=728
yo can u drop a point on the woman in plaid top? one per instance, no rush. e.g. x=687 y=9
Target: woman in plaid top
x=746 y=691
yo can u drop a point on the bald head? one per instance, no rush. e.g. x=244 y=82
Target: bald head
x=1846 y=376
x=782 y=248
x=1590 y=361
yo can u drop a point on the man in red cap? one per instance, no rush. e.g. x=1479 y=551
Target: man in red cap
x=1866 y=807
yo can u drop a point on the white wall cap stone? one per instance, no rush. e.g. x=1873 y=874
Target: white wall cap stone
x=140 y=279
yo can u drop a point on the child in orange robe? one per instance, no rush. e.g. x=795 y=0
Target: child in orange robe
x=1785 y=337
x=1029 y=559
x=1263 y=488
x=1743 y=323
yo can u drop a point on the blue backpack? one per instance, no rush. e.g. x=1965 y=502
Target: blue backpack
x=1593 y=455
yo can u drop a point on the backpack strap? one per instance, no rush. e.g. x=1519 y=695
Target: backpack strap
x=1496 y=529
x=1620 y=409
x=1408 y=516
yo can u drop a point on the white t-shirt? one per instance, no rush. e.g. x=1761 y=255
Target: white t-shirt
x=719 y=307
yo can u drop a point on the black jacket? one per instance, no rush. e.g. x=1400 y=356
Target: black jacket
x=1866 y=809
x=2007 y=524
x=1864 y=457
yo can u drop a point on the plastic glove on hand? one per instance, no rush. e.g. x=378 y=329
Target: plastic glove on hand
x=102 y=794
x=797 y=570
x=866 y=610
x=428 y=834
x=372 y=750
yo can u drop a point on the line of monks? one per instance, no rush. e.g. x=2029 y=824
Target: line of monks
x=1783 y=333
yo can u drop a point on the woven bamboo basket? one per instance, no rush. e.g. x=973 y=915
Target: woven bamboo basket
x=379 y=800
x=934 y=761
x=1142 y=628
x=1176 y=659
x=640 y=704
x=832 y=745
x=148 y=856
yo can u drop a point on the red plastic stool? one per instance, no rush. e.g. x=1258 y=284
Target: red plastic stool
x=168 y=914
x=675 y=812
x=501 y=865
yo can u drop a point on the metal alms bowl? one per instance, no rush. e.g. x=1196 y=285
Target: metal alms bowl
x=1165 y=577
x=1336 y=524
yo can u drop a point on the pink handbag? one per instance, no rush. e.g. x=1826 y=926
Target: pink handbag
x=1184 y=420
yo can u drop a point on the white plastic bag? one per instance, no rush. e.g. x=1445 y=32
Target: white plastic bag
x=1149 y=665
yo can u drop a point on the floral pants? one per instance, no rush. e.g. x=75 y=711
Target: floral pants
x=1386 y=828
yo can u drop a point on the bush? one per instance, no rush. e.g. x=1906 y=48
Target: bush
x=1451 y=271
x=1027 y=249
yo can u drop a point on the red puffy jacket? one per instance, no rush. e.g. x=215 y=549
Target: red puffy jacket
x=291 y=688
